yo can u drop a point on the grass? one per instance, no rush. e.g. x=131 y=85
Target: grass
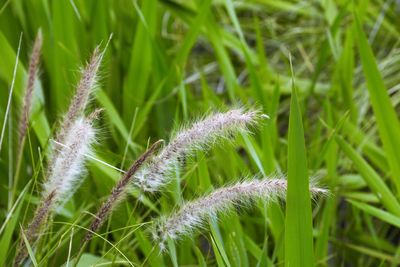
x=298 y=221
x=169 y=62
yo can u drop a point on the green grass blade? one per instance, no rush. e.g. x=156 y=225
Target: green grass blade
x=371 y=252
x=114 y=117
x=218 y=242
x=328 y=220
x=140 y=70
x=345 y=72
x=5 y=240
x=378 y=213
x=373 y=180
x=298 y=224
x=200 y=258
x=373 y=152
x=29 y=248
x=172 y=252
x=386 y=118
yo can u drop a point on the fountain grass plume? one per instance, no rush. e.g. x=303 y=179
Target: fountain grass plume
x=193 y=214
x=30 y=86
x=85 y=86
x=65 y=178
x=27 y=102
x=202 y=134
x=80 y=100
x=68 y=166
x=118 y=192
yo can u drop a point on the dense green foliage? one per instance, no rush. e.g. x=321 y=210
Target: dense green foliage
x=326 y=73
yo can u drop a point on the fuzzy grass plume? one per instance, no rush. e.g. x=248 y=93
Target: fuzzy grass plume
x=84 y=88
x=30 y=86
x=192 y=214
x=118 y=192
x=80 y=100
x=68 y=166
x=65 y=178
x=200 y=135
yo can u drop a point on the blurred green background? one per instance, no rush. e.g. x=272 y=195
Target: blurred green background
x=170 y=62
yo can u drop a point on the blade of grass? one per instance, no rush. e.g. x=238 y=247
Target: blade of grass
x=200 y=259
x=373 y=152
x=11 y=92
x=140 y=63
x=378 y=213
x=218 y=242
x=6 y=238
x=298 y=223
x=373 y=180
x=172 y=252
x=386 y=118
x=328 y=220
x=29 y=248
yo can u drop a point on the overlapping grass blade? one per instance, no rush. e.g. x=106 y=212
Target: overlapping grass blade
x=386 y=118
x=373 y=180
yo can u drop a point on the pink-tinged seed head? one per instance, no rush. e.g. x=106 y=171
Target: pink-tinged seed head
x=202 y=134
x=193 y=214
x=30 y=86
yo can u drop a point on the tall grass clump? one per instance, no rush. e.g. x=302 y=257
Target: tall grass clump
x=199 y=75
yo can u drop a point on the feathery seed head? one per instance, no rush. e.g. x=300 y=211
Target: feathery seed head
x=68 y=166
x=79 y=101
x=85 y=87
x=64 y=178
x=192 y=214
x=30 y=86
x=74 y=140
x=199 y=136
